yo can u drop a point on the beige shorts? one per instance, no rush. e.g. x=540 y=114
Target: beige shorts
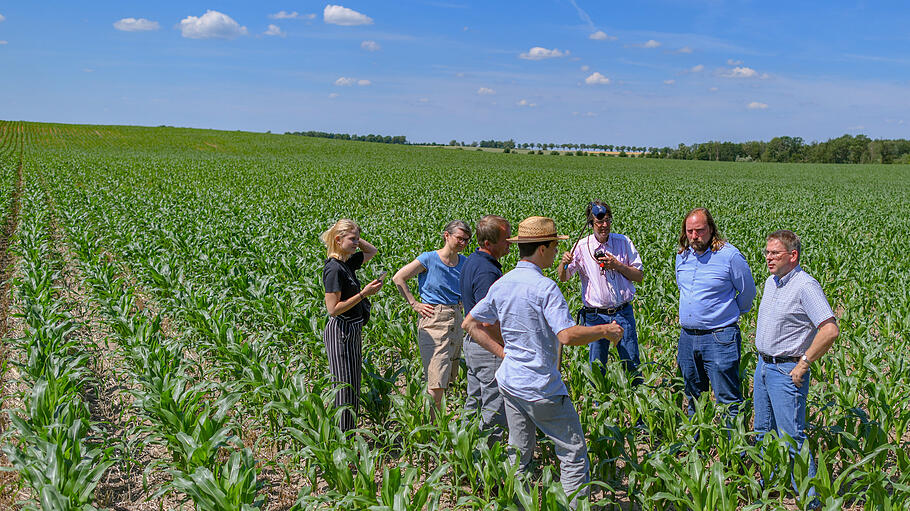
x=439 y=338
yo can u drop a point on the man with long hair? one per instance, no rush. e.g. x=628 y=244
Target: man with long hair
x=715 y=288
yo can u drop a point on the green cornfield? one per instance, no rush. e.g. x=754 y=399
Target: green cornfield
x=163 y=311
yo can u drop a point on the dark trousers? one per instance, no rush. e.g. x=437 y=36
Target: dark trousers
x=627 y=349
x=343 y=345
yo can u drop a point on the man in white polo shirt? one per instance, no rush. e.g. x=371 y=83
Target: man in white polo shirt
x=796 y=326
x=533 y=317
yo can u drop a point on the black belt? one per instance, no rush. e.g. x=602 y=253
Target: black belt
x=610 y=310
x=777 y=360
x=699 y=331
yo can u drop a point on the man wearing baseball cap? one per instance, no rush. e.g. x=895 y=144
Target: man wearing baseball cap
x=534 y=319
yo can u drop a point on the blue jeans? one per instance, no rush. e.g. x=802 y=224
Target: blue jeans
x=781 y=406
x=627 y=347
x=711 y=357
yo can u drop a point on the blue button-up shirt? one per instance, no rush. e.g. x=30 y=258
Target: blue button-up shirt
x=480 y=271
x=530 y=310
x=715 y=288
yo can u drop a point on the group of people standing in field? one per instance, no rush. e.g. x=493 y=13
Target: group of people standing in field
x=516 y=324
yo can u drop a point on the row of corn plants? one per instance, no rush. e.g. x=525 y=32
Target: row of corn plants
x=52 y=442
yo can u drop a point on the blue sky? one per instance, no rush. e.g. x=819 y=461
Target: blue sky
x=633 y=73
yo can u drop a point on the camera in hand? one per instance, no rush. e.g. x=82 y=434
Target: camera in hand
x=600 y=254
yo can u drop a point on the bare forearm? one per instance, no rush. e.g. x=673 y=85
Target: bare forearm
x=632 y=273
x=487 y=336
x=368 y=249
x=824 y=339
x=335 y=307
x=402 y=287
x=579 y=335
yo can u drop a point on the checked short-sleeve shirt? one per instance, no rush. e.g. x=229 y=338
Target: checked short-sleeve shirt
x=790 y=311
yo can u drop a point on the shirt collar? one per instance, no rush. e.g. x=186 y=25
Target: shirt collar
x=782 y=281
x=488 y=257
x=530 y=265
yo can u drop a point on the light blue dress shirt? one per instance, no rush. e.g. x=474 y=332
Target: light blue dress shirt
x=790 y=311
x=530 y=310
x=715 y=288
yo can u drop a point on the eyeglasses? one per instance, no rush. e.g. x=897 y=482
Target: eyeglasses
x=460 y=239
x=604 y=221
x=773 y=253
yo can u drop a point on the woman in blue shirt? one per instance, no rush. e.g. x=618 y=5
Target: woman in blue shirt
x=439 y=312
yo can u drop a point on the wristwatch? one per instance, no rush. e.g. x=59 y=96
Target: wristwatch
x=806 y=360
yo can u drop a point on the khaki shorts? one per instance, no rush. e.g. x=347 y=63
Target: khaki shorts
x=439 y=338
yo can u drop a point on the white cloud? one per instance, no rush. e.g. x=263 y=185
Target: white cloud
x=600 y=35
x=597 y=79
x=2 y=18
x=651 y=43
x=538 y=53
x=338 y=15
x=485 y=91
x=755 y=105
x=684 y=49
x=741 y=72
x=370 y=46
x=3 y=42
x=669 y=82
x=345 y=81
x=284 y=15
x=423 y=100
x=136 y=25
x=698 y=68
x=731 y=62
x=584 y=114
x=211 y=25
x=713 y=89
x=333 y=95
x=524 y=102
x=274 y=30
x=585 y=68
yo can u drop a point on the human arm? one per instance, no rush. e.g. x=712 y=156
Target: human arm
x=579 y=335
x=368 y=249
x=562 y=271
x=741 y=276
x=487 y=335
x=335 y=305
x=824 y=338
x=401 y=278
x=626 y=270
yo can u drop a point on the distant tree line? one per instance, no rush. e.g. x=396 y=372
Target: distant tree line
x=382 y=139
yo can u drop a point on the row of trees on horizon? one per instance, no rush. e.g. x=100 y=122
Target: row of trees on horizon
x=844 y=149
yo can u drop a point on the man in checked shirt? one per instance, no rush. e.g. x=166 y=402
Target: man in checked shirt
x=795 y=328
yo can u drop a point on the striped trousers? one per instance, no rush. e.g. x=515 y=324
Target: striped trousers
x=343 y=345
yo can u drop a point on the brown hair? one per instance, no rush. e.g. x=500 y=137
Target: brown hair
x=788 y=239
x=341 y=227
x=490 y=228
x=717 y=241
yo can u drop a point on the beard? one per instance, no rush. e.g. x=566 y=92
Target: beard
x=700 y=246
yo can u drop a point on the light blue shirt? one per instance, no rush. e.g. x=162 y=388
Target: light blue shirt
x=790 y=311
x=439 y=284
x=530 y=310
x=715 y=288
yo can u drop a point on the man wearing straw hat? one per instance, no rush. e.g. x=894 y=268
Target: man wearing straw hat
x=533 y=318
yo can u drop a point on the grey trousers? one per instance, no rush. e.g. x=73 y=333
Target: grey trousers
x=483 y=390
x=557 y=419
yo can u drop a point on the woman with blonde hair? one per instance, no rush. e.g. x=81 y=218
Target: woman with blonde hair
x=439 y=314
x=349 y=310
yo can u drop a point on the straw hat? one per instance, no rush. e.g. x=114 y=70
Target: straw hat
x=537 y=228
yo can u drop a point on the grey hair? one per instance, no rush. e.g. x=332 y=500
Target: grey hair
x=454 y=225
x=788 y=239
